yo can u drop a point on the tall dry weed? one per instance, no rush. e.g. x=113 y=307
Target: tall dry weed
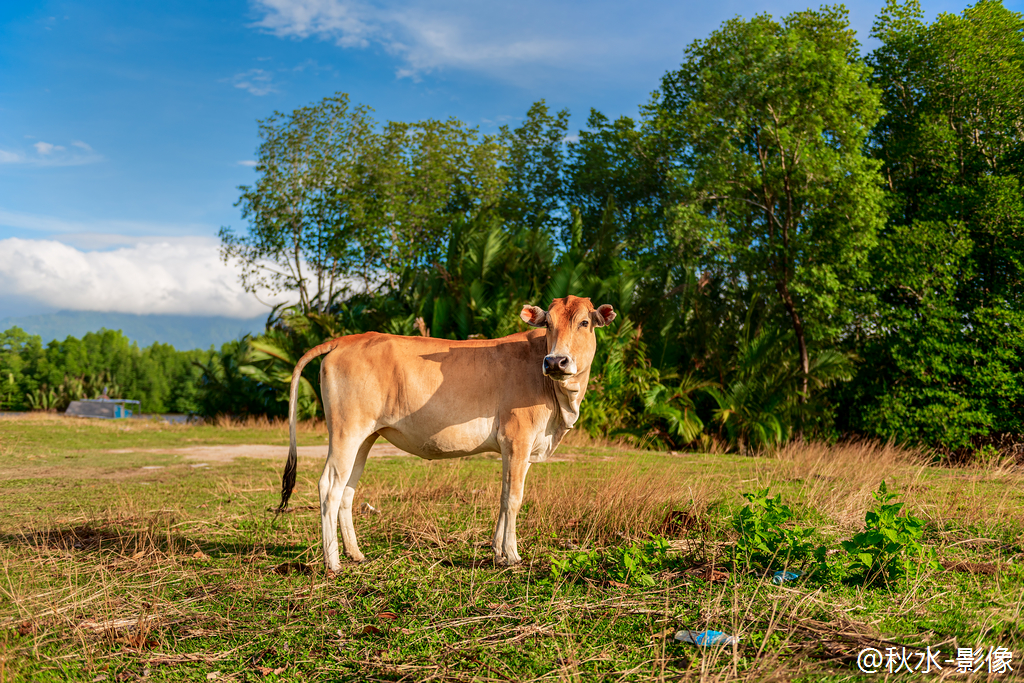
x=838 y=480
x=610 y=504
x=437 y=504
x=602 y=505
x=579 y=438
x=262 y=423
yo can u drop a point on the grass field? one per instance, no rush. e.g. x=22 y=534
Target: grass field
x=127 y=556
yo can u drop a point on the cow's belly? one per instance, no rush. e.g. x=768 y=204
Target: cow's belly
x=475 y=436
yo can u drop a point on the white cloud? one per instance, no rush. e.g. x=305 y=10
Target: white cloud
x=50 y=154
x=526 y=42
x=426 y=38
x=46 y=148
x=248 y=162
x=256 y=81
x=346 y=22
x=61 y=226
x=171 y=275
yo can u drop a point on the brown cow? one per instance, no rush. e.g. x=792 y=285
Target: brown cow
x=438 y=398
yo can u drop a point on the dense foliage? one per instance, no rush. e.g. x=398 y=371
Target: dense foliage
x=944 y=341
x=49 y=378
x=800 y=240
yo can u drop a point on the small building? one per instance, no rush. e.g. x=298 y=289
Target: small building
x=107 y=408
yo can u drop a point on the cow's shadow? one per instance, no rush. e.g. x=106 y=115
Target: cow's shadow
x=98 y=540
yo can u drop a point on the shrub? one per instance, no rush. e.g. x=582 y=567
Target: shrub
x=633 y=564
x=884 y=551
x=768 y=540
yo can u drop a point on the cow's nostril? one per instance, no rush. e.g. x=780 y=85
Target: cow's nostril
x=556 y=363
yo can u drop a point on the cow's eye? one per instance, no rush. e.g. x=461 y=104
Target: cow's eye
x=584 y=323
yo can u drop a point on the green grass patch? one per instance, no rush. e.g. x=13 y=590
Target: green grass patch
x=137 y=565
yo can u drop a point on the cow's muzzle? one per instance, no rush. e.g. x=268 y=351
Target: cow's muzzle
x=558 y=367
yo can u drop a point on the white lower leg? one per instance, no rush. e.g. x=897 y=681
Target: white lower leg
x=330 y=502
x=510 y=544
x=355 y=462
x=499 y=536
x=348 y=529
x=498 y=542
x=516 y=484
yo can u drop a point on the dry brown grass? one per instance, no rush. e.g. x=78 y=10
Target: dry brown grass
x=838 y=479
x=613 y=502
x=619 y=496
x=60 y=420
x=262 y=423
x=601 y=504
x=9 y=445
x=579 y=438
x=259 y=423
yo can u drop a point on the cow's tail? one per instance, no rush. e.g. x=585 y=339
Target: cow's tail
x=292 y=466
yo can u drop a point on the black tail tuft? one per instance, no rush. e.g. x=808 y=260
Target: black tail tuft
x=288 y=480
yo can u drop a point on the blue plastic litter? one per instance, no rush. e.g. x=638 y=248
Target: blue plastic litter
x=780 y=577
x=706 y=638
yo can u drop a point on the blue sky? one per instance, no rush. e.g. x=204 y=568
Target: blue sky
x=125 y=126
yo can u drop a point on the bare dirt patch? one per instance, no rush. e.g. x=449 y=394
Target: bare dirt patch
x=229 y=452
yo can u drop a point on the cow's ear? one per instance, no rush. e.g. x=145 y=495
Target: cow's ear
x=534 y=315
x=603 y=315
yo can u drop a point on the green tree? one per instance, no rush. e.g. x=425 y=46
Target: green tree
x=19 y=353
x=340 y=203
x=305 y=213
x=769 y=121
x=757 y=404
x=943 y=353
x=952 y=140
x=424 y=179
x=37 y=377
x=534 y=194
x=615 y=178
x=224 y=389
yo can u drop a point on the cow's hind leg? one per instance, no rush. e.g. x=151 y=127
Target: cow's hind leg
x=515 y=463
x=345 y=462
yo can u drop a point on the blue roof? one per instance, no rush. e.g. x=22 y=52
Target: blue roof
x=108 y=400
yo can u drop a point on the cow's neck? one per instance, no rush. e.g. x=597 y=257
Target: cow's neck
x=569 y=396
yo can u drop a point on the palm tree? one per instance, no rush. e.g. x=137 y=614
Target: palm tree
x=761 y=401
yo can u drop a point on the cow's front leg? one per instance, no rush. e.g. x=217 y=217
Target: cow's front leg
x=515 y=461
x=497 y=543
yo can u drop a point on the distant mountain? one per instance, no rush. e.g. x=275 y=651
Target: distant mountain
x=183 y=332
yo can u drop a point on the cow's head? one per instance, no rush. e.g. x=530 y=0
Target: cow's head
x=571 y=343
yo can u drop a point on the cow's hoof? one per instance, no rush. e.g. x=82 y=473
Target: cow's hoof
x=505 y=561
